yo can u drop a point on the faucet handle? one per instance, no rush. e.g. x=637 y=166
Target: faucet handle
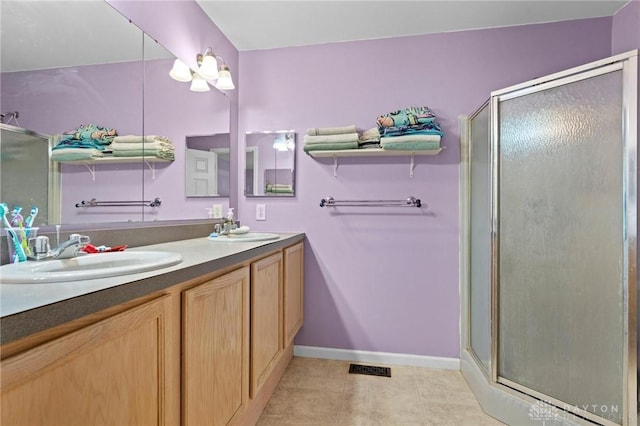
x=82 y=239
x=39 y=245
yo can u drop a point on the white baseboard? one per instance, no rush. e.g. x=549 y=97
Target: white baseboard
x=377 y=357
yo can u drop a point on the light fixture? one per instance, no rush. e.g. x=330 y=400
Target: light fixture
x=207 y=64
x=283 y=142
x=207 y=70
x=224 y=79
x=199 y=84
x=180 y=71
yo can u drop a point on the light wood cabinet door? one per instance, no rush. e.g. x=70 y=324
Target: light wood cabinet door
x=215 y=365
x=266 y=318
x=112 y=372
x=293 y=291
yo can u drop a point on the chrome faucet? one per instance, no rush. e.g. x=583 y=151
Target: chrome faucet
x=223 y=228
x=68 y=249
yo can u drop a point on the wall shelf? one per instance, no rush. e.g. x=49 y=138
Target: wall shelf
x=373 y=152
x=91 y=163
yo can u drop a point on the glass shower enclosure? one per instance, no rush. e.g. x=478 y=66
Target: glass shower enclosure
x=551 y=253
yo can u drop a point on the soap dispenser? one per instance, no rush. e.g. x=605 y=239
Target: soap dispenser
x=229 y=222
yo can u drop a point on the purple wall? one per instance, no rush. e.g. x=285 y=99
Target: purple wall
x=376 y=279
x=625 y=34
x=387 y=279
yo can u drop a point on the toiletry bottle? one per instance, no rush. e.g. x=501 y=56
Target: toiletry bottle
x=230 y=221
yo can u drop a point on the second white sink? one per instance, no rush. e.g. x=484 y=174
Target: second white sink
x=91 y=266
x=248 y=237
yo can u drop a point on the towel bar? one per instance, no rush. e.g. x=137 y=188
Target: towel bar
x=408 y=202
x=95 y=203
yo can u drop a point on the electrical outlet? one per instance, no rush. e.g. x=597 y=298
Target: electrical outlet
x=261 y=212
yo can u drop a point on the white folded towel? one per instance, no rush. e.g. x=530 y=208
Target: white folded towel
x=339 y=138
x=140 y=139
x=390 y=140
x=331 y=130
x=130 y=146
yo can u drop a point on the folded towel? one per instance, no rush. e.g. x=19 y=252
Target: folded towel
x=387 y=140
x=370 y=135
x=75 y=154
x=406 y=117
x=332 y=139
x=368 y=144
x=330 y=146
x=140 y=139
x=66 y=143
x=420 y=129
x=278 y=185
x=132 y=146
x=318 y=131
x=164 y=154
x=279 y=188
x=411 y=146
x=411 y=142
x=88 y=135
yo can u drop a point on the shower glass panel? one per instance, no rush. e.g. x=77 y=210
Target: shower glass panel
x=561 y=244
x=480 y=239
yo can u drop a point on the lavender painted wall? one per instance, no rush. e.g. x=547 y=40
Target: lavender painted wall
x=387 y=279
x=56 y=100
x=625 y=33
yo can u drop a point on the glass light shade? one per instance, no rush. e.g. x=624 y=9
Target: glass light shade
x=209 y=67
x=180 y=71
x=224 y=79
x=199 y=84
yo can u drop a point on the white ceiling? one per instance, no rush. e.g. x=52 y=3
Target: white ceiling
x=267 y=24
x=41 y=34
x=50 y=33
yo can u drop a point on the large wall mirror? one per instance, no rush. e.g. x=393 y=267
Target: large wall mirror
x=270 y=163
x=68 y=75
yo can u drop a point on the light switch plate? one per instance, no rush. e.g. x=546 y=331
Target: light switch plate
x=261 y=212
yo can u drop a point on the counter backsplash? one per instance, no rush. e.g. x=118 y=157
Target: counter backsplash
x=133 y=235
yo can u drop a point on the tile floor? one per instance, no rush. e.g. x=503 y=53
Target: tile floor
x=322 y=392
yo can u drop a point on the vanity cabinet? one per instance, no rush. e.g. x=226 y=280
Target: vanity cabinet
x=114 y=371
x=293 y=291
x=215 y=349
x=266 y=318
x=206 y=351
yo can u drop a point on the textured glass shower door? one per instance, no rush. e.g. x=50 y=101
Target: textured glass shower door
x=480 y=238
x=560 y=242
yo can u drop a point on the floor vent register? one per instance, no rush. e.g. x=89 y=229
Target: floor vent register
x=369 y=370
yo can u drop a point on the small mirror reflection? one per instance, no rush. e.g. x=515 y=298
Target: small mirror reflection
x=270 y=163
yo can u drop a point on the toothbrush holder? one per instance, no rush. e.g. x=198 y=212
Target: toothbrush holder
x=24 y=235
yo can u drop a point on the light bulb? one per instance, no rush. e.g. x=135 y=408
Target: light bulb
x=209 y=67
x=180 y=71
x=224 y=79
x=199 y=84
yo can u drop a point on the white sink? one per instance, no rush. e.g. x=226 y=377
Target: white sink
x=247 y=237
x=90 y=266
